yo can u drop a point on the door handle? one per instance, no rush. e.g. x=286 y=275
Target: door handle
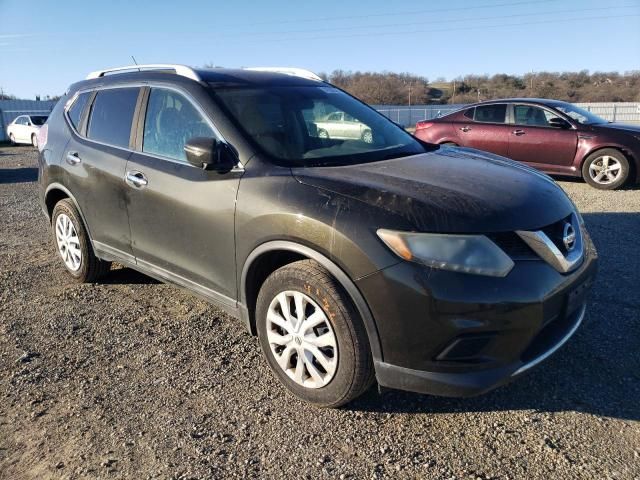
x=136 y=179
x=518 y=132
x=465 y=129
x=73 y=158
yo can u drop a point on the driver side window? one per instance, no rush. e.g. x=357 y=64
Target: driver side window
x=170 y=122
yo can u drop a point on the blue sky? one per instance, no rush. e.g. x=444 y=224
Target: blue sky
x=47 y=45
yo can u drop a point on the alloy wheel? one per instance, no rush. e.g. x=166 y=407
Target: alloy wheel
x=605 y=169
x=68 y=242
x=302 y=339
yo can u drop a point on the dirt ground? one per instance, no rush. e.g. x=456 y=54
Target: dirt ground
x=130 y=378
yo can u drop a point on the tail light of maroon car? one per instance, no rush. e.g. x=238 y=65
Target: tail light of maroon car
x=423 y=125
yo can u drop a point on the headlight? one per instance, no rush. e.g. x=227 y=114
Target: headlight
x=459 y=253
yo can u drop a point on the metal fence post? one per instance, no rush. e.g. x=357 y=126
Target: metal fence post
x=615 y=110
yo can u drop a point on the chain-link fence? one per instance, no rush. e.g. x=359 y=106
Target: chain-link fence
x=407 y=116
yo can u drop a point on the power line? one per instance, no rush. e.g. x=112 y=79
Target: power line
x=456 y=20
x=442 y=30
x=409 y=12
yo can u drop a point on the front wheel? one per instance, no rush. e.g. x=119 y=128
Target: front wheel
x=367 y=136
x=322 y=133
x=606 y=169
x=34 y=140
x=12 y=139
x=312 y=336
x=73 y=245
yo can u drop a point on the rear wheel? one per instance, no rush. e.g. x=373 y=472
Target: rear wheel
x=606 y=169
x=367 y=136
x=322 y=133
x=312 y=335
x=73 y=245
x=34 y=140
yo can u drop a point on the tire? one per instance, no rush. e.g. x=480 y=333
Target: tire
x=367 y=136
x=322 y=133
x=34 y=140
x=613 y=161
x=12 y=139
x=88 y=268
x=350 y=367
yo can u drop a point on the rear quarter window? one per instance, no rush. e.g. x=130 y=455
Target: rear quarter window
x=76 y=109
x=112 y=115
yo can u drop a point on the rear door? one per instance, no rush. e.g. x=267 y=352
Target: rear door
x=19 y=129
x=485 y=127
x=95 y=160
x=182 y=217
x=534 y=141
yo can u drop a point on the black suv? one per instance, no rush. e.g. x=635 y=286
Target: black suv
x=353 y=256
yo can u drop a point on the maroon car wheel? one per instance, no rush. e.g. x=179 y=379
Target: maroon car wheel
x=606 y=169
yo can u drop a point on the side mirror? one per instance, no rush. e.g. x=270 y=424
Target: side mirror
x=209 y=154
x=558 y=122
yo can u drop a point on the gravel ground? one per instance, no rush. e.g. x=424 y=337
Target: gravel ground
x=130 y=378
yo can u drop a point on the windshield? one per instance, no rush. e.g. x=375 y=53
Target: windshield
x=579 y=114
x=38 y=119
x=305 y=126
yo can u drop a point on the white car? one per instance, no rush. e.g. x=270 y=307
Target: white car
x=24 y=129
x=341 y=125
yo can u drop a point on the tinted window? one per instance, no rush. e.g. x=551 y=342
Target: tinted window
x=38 y=119
x=171 y=121
x=491 y=113
x=75 y=112
x=111 y=116
x=531 y=115
x=302 y=132
x=469 y=113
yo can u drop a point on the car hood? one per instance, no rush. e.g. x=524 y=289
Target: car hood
x=450 y=190
x=618 y=126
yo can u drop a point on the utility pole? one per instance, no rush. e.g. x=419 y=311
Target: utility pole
x=453 y=98
x=410 y=85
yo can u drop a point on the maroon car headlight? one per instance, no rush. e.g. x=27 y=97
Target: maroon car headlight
x=475 y=254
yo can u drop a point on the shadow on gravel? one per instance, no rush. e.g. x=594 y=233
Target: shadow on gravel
x=597 y=371
x=18 y=175
x=126 y=276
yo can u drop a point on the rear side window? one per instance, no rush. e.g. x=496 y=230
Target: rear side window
x=171 y=121
x=469 y=113
x=112 y=115
x=75 y=112
x=491 y=113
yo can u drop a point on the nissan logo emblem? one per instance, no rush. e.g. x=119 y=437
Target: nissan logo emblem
x=569 y=237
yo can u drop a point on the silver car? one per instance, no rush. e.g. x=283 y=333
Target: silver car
x=341 y=125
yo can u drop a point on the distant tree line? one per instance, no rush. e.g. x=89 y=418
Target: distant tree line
x=389 y=88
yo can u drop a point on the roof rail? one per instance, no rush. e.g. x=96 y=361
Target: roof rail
x=296 y=72
x=181 y=70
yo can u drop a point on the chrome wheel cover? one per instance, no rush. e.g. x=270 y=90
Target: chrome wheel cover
x=301 y=339
x=68 y=242
x=605 y=169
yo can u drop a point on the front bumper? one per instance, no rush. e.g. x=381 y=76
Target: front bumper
x=453 y=334
x=467 y=384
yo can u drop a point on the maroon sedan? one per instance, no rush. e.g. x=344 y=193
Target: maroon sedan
x=555 y=137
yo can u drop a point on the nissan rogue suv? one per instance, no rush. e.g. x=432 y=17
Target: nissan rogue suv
x=433 y=269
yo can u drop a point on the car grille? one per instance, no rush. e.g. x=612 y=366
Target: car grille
x=514 y=246
x=545 y=244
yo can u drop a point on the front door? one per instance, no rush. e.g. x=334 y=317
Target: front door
x=486 y=130
x=533 y=140
x=181 y=216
